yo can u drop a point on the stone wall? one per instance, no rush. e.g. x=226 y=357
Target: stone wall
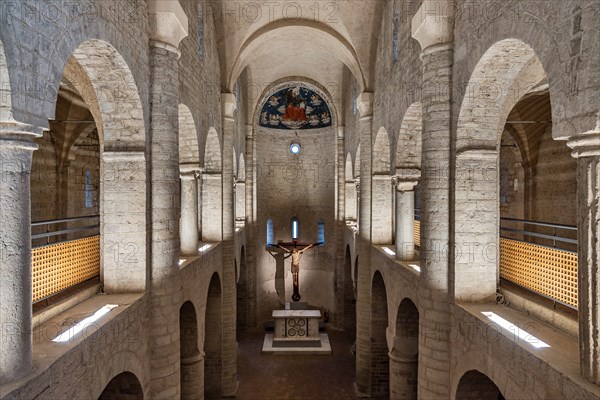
x=301 y=186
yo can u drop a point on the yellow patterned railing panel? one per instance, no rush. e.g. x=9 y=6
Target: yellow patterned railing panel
x=59 y=266
x=417 y=230
x=550 y=272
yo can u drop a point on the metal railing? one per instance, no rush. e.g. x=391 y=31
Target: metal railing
x=556 y=235
x=60 y=227
x=548 y=270
x=62 y=264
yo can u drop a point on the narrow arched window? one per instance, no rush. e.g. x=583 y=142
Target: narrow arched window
x=88 y=189
x=321 y=232
x=200 y=34
x=270 y=233
x=295 y=228
x=396 y=26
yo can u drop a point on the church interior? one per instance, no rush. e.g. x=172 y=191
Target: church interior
x=386 y=199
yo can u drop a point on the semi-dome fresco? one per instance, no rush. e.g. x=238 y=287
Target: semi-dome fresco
x=295 y=107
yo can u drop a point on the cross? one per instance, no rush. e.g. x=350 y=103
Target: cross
x=294 y=250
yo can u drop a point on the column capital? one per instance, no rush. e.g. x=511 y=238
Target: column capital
x=406 y=179
x=433 y=24
x=364 y=103
x=19 y=131
x=586 y=144
x=229 y=104
x=189 y=171
x=168 y=23
x=249 y=131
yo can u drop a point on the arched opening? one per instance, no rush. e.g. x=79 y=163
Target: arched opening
x=408 y=174
x=189 y=169
x=350 y=192
x=213 y=340
x=349 y=304
x=5 y=91
x=242 y=295
x=476 y=386
x=404 y=357
x=380 y=369
x=240 y=193
x=381 y=231
x=75 y=208
x=212 y=189
x=125 y=386
x=521 y=110
x=190 y=356
x=538 y=201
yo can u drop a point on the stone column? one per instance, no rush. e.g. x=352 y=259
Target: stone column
x=199 y=200
x=363 y=302
x=168 y=26
x=432 y=27
x=229 y=371
x=405 y=214
x=16 y=150
x=338 y=233
x=403 y=376
x=251 y=227
x=586 y=148
x=189 y=209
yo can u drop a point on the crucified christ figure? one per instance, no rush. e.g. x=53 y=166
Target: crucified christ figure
x=295 y=254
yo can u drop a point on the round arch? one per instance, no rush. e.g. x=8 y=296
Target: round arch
x=255 y=46
x=212 y=152
x=97 y=73
x=295 y=81
x=380 y=373
x=190 y=357
x=213 y=322
x=125 y=385
x=474 y=385
x=408 y=143
x=189 y=151
x=5 y=89
x=381 y=153
x=512 y=65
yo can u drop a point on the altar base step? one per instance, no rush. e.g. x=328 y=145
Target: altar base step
x=297 y=347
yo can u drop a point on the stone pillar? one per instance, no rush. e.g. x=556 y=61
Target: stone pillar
x=586 y=148
x=403 y=376
x=229 y=349
x=251 y=226
x=363 y=302
x=212 y=207
x=168 y=26
x=381 y=212
x=200 y=189
x=16 y=150
x=338 y=232
x=405 y=214
x=189 y=209
x=432 y=27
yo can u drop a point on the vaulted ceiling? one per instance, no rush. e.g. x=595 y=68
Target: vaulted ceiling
x=313 y=39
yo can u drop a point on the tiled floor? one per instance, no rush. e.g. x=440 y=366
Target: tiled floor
x=277 y=377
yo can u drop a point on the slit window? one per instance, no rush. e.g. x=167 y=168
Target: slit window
x=295 y=228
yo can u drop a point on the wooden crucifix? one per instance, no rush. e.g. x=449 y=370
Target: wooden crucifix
x=294 y=250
